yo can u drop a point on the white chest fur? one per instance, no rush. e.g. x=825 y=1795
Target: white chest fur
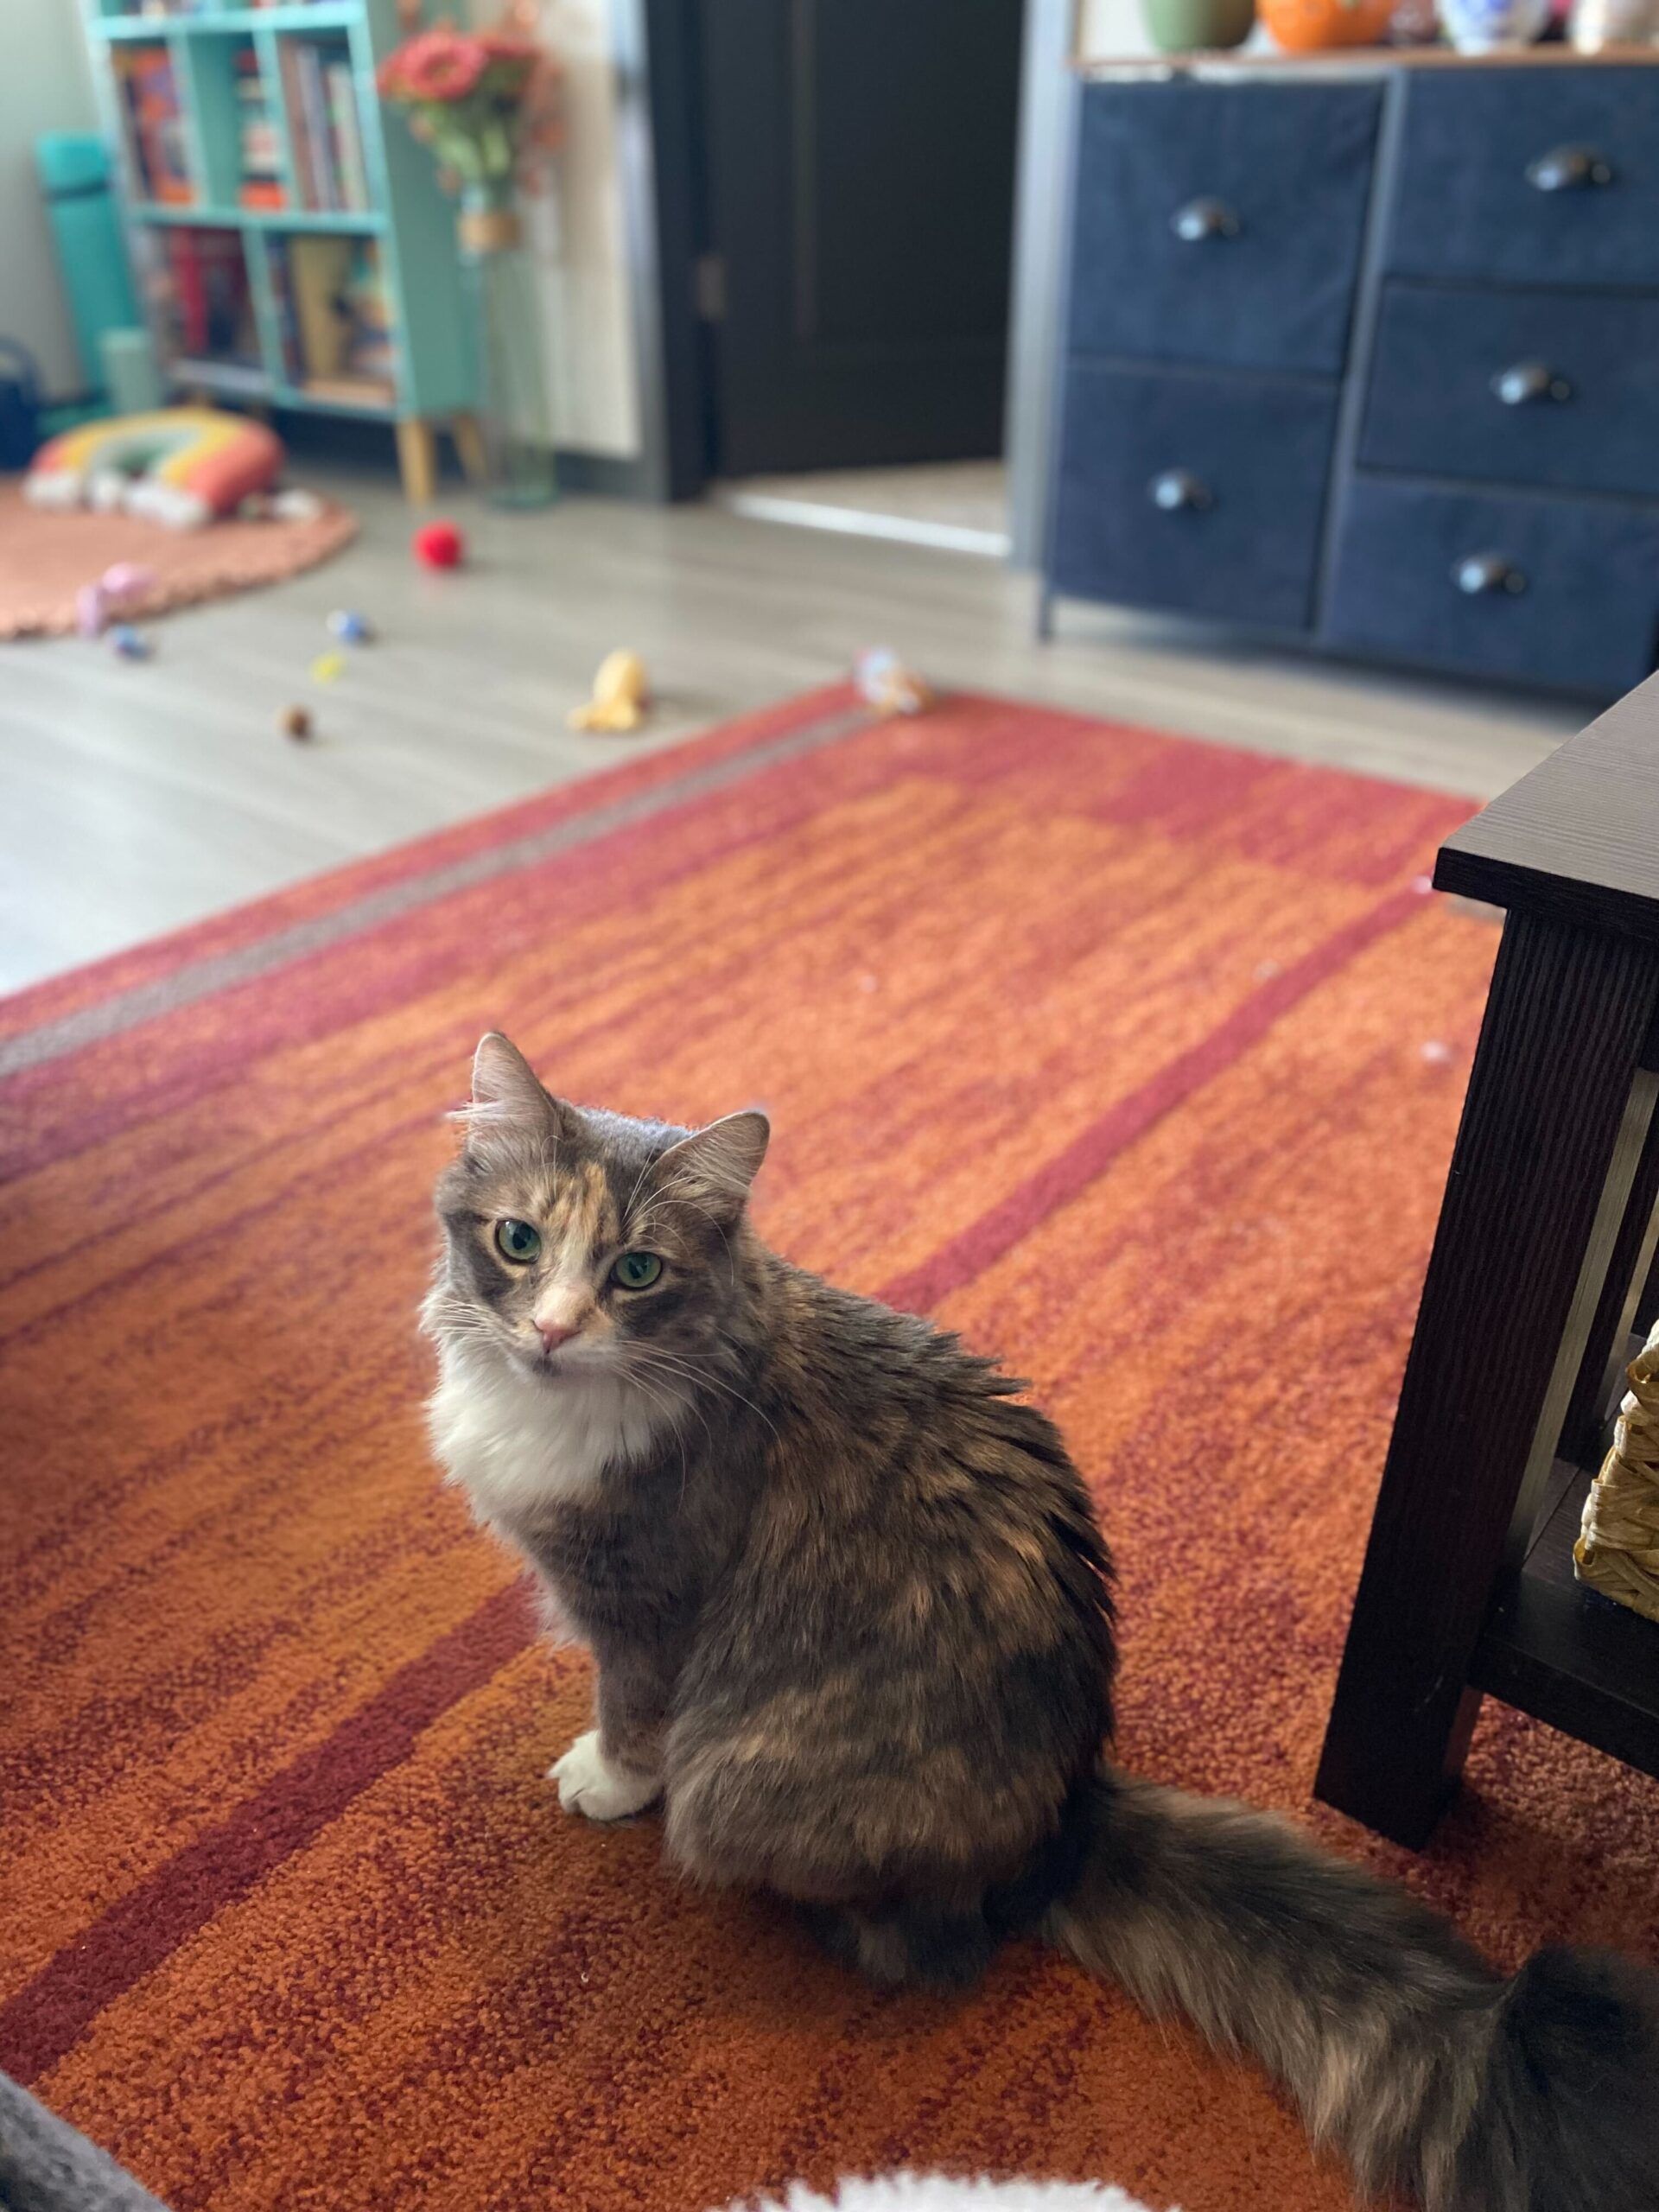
x=517 y=1445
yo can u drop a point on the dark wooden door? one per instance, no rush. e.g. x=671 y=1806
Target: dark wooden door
x=859 y=161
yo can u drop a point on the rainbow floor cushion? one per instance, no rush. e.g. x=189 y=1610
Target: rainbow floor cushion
x=181 y=465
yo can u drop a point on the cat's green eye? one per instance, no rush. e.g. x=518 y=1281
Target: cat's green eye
x=636 y=1271
x=516 y=1241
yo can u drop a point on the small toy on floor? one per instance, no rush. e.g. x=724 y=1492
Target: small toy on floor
x=297 y=723
x=327 y=668
x=622 y=695
x=887 y=686
x=97 y=605
x=351 y=628
x=131 y=643
x=438 y=545
x=124 y=581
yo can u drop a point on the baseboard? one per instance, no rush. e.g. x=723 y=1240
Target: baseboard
x=604 y=475
x=357 y=442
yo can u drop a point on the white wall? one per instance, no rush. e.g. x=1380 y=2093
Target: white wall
x=576 y=235
x=44 y=86
x=1111 y=30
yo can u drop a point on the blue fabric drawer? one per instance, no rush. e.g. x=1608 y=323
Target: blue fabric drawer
x=1257 y=449
x=1589 y=365
x=1586 y=619
x=1284 y=171
x=1466 y=207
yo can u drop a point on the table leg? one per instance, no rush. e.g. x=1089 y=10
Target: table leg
x=1551 y=1134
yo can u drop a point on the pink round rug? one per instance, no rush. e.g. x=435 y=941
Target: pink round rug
x=45 y=558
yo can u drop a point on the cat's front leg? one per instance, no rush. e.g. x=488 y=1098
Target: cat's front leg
x=617 y=1767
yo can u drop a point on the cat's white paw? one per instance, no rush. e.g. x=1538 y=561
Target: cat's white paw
x=589 y=1785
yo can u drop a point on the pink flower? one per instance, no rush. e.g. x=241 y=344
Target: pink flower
x=434 y=65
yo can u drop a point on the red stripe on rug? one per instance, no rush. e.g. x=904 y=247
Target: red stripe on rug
x=47 y=2016
x=49 y=2013
x=1092 y=1151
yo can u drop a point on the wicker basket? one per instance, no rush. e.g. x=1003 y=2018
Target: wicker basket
x=1617 y=1550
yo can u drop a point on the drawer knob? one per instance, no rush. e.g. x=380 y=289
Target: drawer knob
x=1568 y=169
x=1481 y=572
x=1177 y=488
x=1525 y=381
x=1204 y=218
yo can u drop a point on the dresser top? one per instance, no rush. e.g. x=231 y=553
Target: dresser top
x=1353 y=61
x=1577 y=837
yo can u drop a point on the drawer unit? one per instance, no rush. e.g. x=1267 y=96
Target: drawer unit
x=1373 y=359
x=1220 y=224
x=1530 y=175
x=1548 y=590
x=1199 y=492
x=1548 y=388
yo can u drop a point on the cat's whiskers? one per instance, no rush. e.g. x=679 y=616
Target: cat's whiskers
x=680 y=1363
x=671 y=1411
x=640 y=1359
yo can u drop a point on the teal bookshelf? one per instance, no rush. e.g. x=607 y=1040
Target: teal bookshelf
x=289 y=240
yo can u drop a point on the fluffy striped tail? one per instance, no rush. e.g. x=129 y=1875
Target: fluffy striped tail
x=1434 y=2076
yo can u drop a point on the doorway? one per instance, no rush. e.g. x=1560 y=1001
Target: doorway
x=836 y=181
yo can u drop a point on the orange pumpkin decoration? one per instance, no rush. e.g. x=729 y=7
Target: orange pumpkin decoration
x=1308 y=26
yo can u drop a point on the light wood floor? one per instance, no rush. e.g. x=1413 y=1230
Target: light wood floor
x=933 y=503
x=134 y=798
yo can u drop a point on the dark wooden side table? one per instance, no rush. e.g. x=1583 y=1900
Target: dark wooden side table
x=1542 y=1268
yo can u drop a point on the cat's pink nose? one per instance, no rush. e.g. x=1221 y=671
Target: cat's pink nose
x=553 y=1334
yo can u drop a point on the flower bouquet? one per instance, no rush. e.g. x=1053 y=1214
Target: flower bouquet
x=483 y=101
x=486 y=103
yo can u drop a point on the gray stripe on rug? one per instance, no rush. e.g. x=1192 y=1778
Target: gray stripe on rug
x=199 y=979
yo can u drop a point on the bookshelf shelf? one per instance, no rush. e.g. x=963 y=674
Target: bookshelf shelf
x=227 y=378
x=296 y=395
x=319 y=15
x=342 y=221
x=289 y=237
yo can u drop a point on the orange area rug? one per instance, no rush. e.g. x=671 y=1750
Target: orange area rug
x=1136 y=1060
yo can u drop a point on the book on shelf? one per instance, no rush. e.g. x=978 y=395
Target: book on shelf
x=206 y=301
x=259 y=137
x=314 y=99
x=152 y=124
x=299 y=137
x=349 y=135
x=333 y=319
x=324 y=127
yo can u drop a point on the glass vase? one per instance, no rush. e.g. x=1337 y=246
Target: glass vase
x=515 y=430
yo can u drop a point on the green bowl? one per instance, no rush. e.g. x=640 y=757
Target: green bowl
x=1186 y=26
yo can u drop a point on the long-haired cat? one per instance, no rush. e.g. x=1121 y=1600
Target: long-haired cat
x=853 y=1624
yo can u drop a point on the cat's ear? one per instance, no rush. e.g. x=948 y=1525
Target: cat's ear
x=507 y=1095
x=714 y=1167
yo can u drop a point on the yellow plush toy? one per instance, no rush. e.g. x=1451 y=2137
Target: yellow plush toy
x=622 y=695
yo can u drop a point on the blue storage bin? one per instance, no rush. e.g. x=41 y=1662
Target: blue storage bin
x=74 y=172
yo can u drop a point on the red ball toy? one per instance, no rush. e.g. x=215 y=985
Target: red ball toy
x=439 y=545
